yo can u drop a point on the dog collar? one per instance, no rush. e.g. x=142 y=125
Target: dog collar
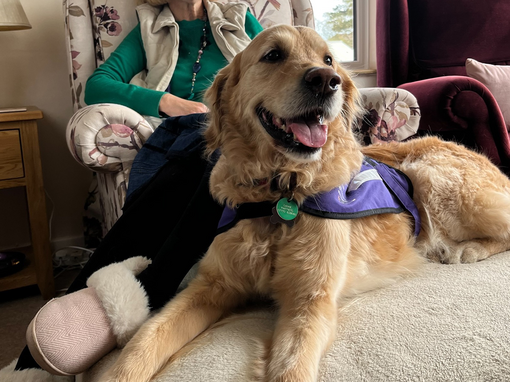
x=376 y=189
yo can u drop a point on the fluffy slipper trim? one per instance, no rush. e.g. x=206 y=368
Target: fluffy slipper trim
x=30 y=375
x=123 y=297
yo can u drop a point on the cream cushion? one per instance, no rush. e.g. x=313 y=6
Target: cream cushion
x=497 y=79
x=448 y=324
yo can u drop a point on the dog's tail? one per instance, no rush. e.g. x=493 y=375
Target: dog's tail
x=390 y=153
x=394 y=153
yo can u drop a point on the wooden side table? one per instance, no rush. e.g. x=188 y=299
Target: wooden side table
x=20 y=166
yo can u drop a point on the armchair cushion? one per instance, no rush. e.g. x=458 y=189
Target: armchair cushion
x=497 y=79
x=447 y=324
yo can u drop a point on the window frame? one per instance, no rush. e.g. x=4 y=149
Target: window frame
x=361 y=26
x=364 y=34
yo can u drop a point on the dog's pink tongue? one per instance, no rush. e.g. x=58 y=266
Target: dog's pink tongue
x=309 y=132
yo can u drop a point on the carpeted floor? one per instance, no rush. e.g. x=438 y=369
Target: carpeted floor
x=17 y=308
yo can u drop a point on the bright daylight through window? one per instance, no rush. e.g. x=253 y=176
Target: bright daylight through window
x=342 y=23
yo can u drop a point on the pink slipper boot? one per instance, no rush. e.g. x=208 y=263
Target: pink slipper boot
x=71 y=333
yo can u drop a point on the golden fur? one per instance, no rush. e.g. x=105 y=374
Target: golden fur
x=463 y=201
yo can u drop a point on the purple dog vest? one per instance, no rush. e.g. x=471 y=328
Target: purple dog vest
x=376 y=189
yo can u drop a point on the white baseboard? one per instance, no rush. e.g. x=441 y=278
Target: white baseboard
x=70 y=251
x=59 y=243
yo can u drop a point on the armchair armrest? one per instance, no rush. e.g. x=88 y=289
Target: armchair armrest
x=107 y=137
x=391 y=114
x=462 y=109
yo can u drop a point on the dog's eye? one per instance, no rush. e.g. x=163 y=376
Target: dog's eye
x=274 y=55
x=328 y=60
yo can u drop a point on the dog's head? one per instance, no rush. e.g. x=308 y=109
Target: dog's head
x=283 y=105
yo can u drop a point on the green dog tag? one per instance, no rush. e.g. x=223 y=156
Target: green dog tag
x=287 y=209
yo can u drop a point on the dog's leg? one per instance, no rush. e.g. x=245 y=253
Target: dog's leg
x=306 y=281
x=201 y=304
x=301 y=336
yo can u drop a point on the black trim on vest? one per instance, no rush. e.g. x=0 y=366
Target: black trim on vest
x=249 y=211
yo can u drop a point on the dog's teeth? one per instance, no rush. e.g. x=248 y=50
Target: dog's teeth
x=321 y=119
x=283 y=127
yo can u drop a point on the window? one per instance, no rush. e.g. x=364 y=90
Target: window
x=345 y=24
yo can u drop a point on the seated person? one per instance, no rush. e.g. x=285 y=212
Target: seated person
x=160 y=69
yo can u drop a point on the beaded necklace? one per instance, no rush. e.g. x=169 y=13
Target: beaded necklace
x=196 y=65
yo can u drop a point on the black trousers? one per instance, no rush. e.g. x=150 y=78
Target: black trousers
x=171 y=220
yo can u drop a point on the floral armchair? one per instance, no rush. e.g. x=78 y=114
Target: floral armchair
x=106 y=137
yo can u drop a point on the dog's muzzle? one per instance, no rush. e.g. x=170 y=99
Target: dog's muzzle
x=305 y=132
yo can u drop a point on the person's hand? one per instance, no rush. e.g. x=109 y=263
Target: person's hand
x=174 y=106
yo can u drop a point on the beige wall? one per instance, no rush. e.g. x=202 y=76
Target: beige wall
x=33 y=71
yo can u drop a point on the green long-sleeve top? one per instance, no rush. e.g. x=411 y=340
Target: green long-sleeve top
x=110 y=82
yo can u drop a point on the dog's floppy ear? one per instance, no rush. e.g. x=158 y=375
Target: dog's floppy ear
x=352 y=107
x=217 y=98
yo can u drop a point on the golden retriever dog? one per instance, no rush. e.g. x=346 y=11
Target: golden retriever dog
x=282 y=115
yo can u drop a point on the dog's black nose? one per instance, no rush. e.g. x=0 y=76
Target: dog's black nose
x=322 y=81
